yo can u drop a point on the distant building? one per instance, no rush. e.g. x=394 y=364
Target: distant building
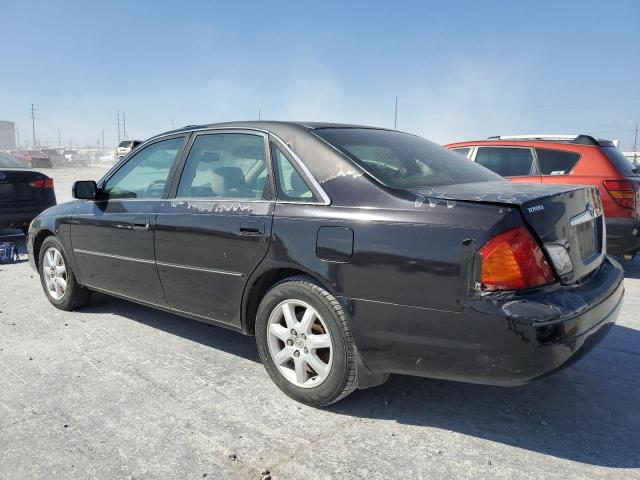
x=633 y=156
x=7 y=135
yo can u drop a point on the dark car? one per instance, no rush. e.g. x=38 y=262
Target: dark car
x=570 y=159
x=56 y=156
x=349 y=252
x=34 y=158
x=24 y=193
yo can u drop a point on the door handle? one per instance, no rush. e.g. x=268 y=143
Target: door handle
x=251 y=228
x=141 y=223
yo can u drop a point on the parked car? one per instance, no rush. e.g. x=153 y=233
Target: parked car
x=570 y=159
x=33 y=158
x=349 y=252
x=56 y=155
x=77 y=158
x=126 y=146
x=24 y=193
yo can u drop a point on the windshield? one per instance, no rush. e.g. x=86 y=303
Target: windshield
x=8 y=161
x=625 y=166
x=401 y=160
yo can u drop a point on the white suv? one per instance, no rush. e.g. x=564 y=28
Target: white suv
x=126 y=146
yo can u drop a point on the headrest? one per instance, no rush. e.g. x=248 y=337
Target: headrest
x=209 y=157
x=233 y=176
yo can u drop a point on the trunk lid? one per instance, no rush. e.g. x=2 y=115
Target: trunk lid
x=16 y=186
x=567 y=215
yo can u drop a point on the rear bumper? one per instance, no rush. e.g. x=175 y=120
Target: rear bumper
x=498 y=339
x=623 y=236
x=20 y=217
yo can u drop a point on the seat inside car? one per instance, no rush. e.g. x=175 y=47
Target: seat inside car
x=228 y=181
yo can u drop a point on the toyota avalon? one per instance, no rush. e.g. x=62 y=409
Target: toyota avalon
x=350 y=253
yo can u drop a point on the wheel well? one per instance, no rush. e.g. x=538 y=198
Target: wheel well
x=37 y=243
x=259 y=289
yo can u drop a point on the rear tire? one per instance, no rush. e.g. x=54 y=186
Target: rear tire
x=57 y=278
x=305 y=343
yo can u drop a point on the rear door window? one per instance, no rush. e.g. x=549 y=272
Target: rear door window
x=556 y=162
x=462 y=151
x=506 y=161
x=226 y=165
x=291 y=185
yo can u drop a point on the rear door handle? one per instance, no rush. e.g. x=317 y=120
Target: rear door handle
x=251 y=228
x=141 y=223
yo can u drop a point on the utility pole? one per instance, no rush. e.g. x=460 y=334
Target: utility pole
x=103 y=139
x=18 y=139
x=173 y=124
x=59 y=142
x=33 y=125
x=124 y=126
x=635 y=144
x=118 y=115
x=259 y=115
x=395 y=117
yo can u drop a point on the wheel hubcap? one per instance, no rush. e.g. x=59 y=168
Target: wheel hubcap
x=300 y=344
x=54 y=273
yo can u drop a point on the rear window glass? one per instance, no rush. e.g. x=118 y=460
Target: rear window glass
x=401 y=160
x=625 y=166
x=8 y=161
x=556 y=162
x=125 y=144
x=505 y=161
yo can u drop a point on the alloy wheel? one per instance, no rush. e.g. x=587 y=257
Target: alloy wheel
x=299 y=343
x=54 y=272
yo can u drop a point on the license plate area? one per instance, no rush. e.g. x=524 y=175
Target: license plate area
x=587 y=241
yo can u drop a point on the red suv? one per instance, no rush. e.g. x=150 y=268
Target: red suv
x=574 y=159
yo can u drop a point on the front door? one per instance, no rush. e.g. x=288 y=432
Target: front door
x=216 y=230
x=112 y=237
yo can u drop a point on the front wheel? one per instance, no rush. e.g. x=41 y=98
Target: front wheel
x=57 y=278
x=305 y=343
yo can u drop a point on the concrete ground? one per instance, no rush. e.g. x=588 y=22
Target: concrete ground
x=122 y=391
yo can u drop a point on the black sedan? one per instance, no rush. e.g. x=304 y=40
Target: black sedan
x=24 y=193
x=349 y=252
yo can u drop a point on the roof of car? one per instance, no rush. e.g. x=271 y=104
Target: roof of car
x=270 y=126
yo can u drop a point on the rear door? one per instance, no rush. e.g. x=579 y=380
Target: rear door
x=515 y=163
x=112 y=236
x=217 y=228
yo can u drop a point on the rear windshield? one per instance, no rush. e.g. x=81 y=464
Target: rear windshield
x=125 y=144
x=625 y=166
x=8 y=161
x=401 y=160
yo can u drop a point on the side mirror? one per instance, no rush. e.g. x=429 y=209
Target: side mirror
x=85 y=190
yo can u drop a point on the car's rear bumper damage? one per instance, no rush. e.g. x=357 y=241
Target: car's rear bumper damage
x=498 y=338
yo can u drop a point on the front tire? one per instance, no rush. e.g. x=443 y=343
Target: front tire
x=57 y=278
x=305 y=343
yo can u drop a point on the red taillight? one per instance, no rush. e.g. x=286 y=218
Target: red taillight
x=513 y=260
x=42 y=183
x=622 y=192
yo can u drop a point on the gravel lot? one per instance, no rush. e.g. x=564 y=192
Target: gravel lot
x=123 y=391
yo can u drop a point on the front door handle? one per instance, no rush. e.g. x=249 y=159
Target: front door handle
x=141 y=223
x=251 y=228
